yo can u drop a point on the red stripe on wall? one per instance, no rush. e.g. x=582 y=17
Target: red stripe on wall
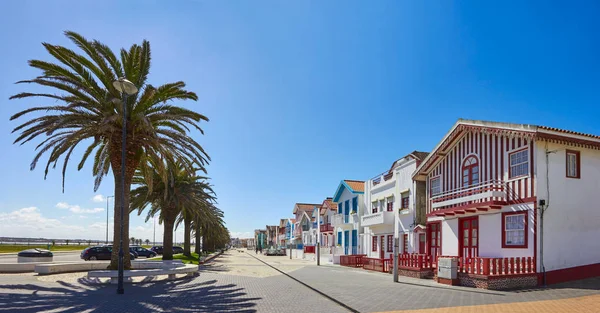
x=531 y=162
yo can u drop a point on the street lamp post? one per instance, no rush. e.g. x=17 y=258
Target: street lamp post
x=107 y=217
x=126 y=88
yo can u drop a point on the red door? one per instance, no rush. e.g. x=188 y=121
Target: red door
x=421 y=243
x=469 y=235
x=381 y=247
x=434 y=236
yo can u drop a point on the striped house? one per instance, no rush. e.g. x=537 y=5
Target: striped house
x=491 y=187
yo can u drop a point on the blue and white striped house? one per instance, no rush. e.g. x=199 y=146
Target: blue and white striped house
x=350 y=204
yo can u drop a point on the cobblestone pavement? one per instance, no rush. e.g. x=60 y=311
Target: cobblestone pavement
x=367 y=291
x=240 y=282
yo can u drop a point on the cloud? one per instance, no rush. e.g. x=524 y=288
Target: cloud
x=98 y=198
x=27 y=221
x=77 y=209
x=238 y=234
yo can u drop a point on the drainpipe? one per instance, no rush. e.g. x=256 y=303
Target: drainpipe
x=542 y=208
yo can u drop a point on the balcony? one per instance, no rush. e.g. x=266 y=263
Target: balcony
x=345 y=221
x=379 y=218
x=485 y=195
x=324 y=228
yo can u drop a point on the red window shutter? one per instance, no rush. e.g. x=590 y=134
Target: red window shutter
x=390 y=239
x=405 y=243
x=374 y=248
x=390 y=206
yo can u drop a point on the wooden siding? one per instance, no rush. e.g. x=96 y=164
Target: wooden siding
x=492 y=151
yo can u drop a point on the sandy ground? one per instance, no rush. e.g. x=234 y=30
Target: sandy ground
x=246 y=264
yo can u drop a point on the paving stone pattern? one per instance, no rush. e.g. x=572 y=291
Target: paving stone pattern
x=237 y=282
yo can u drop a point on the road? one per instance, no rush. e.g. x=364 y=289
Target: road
x=58 y=257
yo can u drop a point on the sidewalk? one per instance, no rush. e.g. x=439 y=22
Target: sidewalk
x=572 y=305
x=62 y=251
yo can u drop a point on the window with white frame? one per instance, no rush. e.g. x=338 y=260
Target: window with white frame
x=519 y=163
x=374 y=207
x=435 y=186
x=515 y=228
x=573 y=164
x=390 y=203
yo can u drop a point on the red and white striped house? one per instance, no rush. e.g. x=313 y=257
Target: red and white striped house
x=492 y=188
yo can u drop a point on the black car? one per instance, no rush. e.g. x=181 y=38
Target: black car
x=132 y=252
x=159 y=249
x=143 y=251
x=99 y=253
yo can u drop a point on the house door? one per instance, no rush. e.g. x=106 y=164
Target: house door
x=421 y=243
x=354 y=241
x=381 y=247
x=434 y=236
x=346 y=241
x=469 y=233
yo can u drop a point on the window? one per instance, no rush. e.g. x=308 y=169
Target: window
x=405 y=243
x=390 y=240
x=390 y=204
x=519 y=163
x=405 y=202
x=434 y=186
x=573 y=164
x=374 y=207
x=355 y=204
x=470 y=171
x=514 y=230
x=374 y=247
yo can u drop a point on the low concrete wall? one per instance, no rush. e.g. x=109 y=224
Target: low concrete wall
x=25 y=267
x=53 y=268
x=415 y=273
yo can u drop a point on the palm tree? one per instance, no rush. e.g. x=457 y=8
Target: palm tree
x=184 y=191
x=132 y=240
x=206 y=222
x=147 y=242
x=89 y=107
x=201 y=211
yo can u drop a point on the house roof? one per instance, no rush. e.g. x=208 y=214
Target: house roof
x=520 y=130
x=282 y=222
x=354 y=186
x=304 y=207
x=328 y=204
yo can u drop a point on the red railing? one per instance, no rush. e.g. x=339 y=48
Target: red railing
x=326 y=227
x=497 y=266
x=414 y=261
x=379 y=265
x=309 y=249
x=492 y=185
x=354 y=260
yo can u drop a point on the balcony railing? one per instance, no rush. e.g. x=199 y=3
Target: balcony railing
x=379 y=265
x=326 y=228
x=341 y=219
x=379 y=218
x=493 y=189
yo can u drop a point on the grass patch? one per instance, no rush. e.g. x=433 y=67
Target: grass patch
x=193 y=259
x=18 y=248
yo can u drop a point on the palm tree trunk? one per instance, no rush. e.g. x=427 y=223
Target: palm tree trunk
x=114 y=259
x=187 y=233
x=198 y=236
x=168 y=235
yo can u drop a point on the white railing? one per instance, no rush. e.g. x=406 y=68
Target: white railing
x=488 y=189
x=341 y=220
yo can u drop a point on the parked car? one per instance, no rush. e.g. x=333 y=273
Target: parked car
x=143 y=252
x=99 y=253
x=132 y=252
x=159 y=249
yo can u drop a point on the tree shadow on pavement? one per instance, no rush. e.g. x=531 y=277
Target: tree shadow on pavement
x=583 y=284
x=173 y=296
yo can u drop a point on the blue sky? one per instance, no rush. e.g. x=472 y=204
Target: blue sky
x=304 y=94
